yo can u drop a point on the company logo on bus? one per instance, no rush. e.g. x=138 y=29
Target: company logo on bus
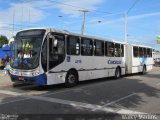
x=114 y=62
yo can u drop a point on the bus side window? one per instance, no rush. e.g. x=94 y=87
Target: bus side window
x=106 y=50
x=145 y=52
x=73 y=45
x=141 y=52
x=117 y=50
x=135 y=51
x=122 y=50
x=98 y=48
x=86 y=47
x=56 y=50
x=110 y=49
x=150 y=52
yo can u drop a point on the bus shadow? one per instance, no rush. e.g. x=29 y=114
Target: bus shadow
x=103 y=91
x=107 y=92
x=52 y=88
x=139 y=95
x=152 y=75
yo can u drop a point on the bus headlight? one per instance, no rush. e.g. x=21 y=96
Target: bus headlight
x=36 y=73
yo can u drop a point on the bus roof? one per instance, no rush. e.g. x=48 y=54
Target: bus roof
x=75 y=34
x=140 y=45
x=86 y=36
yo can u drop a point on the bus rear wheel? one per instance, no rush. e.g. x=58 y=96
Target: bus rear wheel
x=71 y=79
x=144 y=70
x=117 y=73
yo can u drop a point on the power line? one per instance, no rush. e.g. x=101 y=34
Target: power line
x=73 y=6
x=132 y=6
x=80 y=8
x=126 y=20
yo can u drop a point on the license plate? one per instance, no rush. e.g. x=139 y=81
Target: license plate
x=21 y=78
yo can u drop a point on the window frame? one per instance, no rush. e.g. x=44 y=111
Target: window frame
x=139 y=50
x=91 y=43
x=119 y=54
x=50 y=59
x=107 y=49
x=122 y=50
x=145 y=52
x=77 y=40
x=134 y=51
x=101 y=49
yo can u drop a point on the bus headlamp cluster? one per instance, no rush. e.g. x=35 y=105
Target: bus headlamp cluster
x=35 y=73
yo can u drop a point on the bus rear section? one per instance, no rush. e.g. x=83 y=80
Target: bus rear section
x=138 y=59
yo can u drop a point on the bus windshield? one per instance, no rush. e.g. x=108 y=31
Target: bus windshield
x=26 y=49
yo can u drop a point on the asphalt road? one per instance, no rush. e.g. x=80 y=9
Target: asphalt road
x=133 y=94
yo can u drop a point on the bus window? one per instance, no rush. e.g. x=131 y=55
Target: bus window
x=86 y=47
x=44 y=56
x=141 y=52
x=150 y=52
x=73 y=45
x=117 y=51
x=106 y=50
x=122 y=50
x=135 y=51
x=145 y=52
x=56 y=51
x=98 y=48
x=110 y=49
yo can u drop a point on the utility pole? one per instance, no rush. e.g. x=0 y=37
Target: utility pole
x=126 y=28
x=126 y=20
x=83 y=20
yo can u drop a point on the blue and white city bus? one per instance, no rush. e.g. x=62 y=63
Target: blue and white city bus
x=49 y=56
x=138 y=59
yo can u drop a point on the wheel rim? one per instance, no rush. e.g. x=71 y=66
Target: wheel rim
x=117 y=73
x=144 y=69
x=71 y=78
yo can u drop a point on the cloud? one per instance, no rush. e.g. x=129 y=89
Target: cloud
x=79 y=5
x=22 y=14
x=122 y=19
x=144 y=15
x=28 y=12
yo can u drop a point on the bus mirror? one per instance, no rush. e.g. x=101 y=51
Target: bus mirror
x=54 y=40
x=55 y=43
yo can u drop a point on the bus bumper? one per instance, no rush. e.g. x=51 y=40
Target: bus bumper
x=39 y=80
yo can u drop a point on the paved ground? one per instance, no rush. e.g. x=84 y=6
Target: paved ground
x=136 y=94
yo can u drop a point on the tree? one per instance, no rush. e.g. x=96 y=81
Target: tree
x=13 y=37
x=3 y=40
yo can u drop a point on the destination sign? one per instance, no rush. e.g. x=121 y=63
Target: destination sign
x=31 y=33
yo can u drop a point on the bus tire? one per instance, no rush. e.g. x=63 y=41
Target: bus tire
x=71 y=79
x=144 y=70
x=117 y=73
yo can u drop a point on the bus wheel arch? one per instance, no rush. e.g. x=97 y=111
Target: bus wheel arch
x=72 y=78
x=118 y=72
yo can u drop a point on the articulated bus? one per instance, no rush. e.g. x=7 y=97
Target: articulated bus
x=49 y=56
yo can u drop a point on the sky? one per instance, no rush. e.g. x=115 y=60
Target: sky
x=105 y=18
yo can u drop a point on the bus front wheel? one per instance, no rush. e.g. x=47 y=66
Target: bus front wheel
x=71 y=79
x=117 y=73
